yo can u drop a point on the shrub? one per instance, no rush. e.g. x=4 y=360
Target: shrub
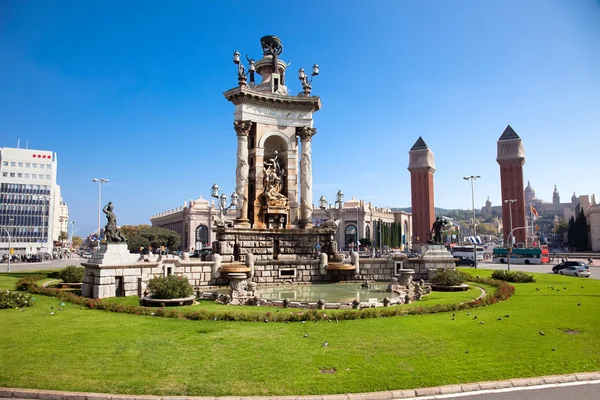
x=512 y=276
x=10 y=299
x=449 y=277
x=170 y=287
x=71 y=274
x=25 y=282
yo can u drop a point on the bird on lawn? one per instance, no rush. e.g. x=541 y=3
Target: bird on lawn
x=578 y=304
x=482 y=322
x=554 y=349
x=542 y=333
x=306 y=335
x=500 y=319
x=52 y=313
x=538 y=289
x=325 y=344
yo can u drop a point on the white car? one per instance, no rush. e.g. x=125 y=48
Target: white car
x=575 y=271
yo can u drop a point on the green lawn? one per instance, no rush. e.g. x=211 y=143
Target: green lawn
x=88 y=350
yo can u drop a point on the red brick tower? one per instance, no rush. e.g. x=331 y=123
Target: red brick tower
x=421 y=166
x=511 y=157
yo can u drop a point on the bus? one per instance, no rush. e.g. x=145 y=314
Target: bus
x=467 y=252
x=529 y=255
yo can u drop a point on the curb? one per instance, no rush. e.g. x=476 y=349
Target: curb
x=387 y=395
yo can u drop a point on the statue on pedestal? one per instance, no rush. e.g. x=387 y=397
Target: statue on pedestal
x=111 y=232
x=436 y=230
x=273 y=182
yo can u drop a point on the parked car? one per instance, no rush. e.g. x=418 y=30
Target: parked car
x=565 y=264
x=460 y=260
x=575 y=271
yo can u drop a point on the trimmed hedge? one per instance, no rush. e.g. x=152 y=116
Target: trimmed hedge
x=512 y=276
x=450 y=277
x=504 y=291
x=71 y=274
x=170 y=287
x=25 y=282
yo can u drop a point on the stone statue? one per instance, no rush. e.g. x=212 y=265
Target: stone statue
x=273 y=182
x=111 y=232
x=436 y=230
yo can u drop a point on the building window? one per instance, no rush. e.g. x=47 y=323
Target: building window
x=13 y=164
x=202 y=235
x=12 y=174
x=20 y=164
x=26 y=175
x=27 y=165
x=350 y=236
x=19 y=175
x=34 y=165
x=5 y=174
x=34 y=176
x=5 y=163
x=368 y=232
x=49 y=166
x=47 y=176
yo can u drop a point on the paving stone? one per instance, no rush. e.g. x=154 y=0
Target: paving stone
x=403 y=394
x=431 y=391
x=450 y=389
x=49 y=395
x=5 y=392
x=470 y=387
x=311 y=397
x=73 y=396
x=370 y=396
x=336 y=397
x=521 y=382
x=553 y=379
x=588 y=376
x=495 y=385
x=25 y=393
x=98 y=396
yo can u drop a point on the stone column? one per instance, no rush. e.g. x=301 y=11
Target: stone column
x=306 y=207
x=241 y=172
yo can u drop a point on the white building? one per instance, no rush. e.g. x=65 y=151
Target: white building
x=31 y=208
x=195 y=221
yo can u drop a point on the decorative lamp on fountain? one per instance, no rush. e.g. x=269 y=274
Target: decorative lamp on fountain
x=306 y=82
x=223 y=207
x=242 y=71
x=339 y=198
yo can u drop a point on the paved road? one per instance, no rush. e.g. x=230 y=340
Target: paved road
x=565 y=391
x=38 y=266
x=594 y=269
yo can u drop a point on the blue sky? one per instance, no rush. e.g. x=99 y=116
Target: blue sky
x=132 y=91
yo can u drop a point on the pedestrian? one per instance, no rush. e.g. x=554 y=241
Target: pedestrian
x=590 y=261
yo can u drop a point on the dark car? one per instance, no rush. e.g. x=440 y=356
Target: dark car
x=464 y=261
x=566 y=264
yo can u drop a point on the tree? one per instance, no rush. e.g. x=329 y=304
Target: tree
x=62 y=237
x=76 y=242
x=155 y=237
x=132 y=230
x=562 y=227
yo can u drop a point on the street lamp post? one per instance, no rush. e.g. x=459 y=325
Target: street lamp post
x=9 y=244
x=100 y=182
x=380 y=237
x=510 y=237
x=473 y=178
x=72 y=232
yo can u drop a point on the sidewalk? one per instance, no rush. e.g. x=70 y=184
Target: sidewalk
x=387 y=395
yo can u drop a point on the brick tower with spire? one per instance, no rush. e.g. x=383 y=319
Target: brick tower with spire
x=511 y=157
x=422 y=167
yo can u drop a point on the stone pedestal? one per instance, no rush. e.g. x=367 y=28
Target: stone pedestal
x=436 y=257
x=113 y=254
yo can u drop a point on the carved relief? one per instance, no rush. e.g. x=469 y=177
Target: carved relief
x=273 y=182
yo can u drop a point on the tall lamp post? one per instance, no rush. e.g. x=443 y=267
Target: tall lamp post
x=9 y=243
x=72 y=232
x=473 y=178
x=100 y=182
x=509 y=237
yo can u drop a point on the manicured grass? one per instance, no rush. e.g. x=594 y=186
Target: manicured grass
x=89 y=350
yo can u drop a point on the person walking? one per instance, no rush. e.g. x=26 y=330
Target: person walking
x=590 y=261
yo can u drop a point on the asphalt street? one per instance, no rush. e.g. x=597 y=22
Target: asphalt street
x=566 y=391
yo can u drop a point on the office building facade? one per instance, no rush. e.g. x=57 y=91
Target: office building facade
x=31 y=208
